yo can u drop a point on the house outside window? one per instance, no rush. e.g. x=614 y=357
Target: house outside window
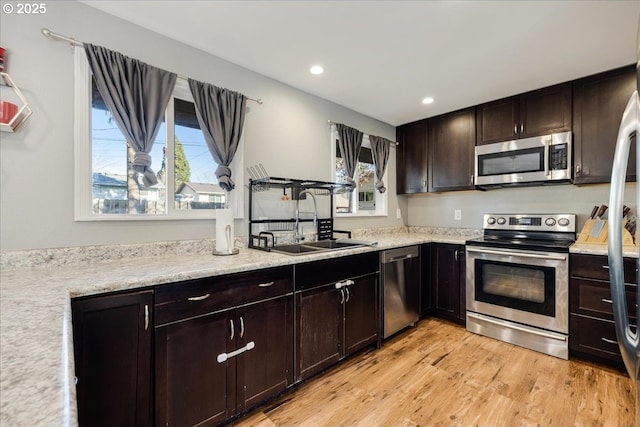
x=365 y=200
x=107 y=187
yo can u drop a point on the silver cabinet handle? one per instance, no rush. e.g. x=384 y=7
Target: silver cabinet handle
x=348 y=294
x=521 y=127
x=515 y=128
x=200 y=298
x=606 y=301
x=146 y=317
x=233 y=333
x=241 y=327
x=609 y=341
x=606 y=267
x=455 y=255
x=266 y=285
x=223 y=357
x=341 y=296
x=425 y=182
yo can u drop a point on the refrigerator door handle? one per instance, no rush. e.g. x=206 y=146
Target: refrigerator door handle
x=627 y=339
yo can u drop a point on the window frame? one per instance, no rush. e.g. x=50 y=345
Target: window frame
x=83 y=177
x=381 y=199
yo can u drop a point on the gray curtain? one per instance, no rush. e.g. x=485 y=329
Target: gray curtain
x=220 y=114
x=137 y=95
x=349 y=142
x=380 y=150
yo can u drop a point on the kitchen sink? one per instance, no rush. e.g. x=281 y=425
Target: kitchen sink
x=311 y=247
x=332 y=244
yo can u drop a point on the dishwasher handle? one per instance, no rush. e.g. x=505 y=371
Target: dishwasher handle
x=396 y=255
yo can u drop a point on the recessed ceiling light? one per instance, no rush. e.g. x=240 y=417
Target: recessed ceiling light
x=316 y=69
x=427 y=100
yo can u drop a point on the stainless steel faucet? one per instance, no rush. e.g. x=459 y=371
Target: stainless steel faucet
x=298 y=237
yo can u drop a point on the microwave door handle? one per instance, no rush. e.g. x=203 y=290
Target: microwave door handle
x=547 y=171
x=627 y=339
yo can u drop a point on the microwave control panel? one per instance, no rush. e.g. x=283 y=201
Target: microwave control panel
x=558 y=156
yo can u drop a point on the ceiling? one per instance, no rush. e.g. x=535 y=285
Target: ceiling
x=381 y=58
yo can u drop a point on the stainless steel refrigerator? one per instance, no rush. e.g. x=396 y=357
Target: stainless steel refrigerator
x=627 y=335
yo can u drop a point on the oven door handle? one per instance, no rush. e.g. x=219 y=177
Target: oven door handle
x=517 y=254
x=515 y=327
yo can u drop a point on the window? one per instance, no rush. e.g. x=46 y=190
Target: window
x=365 y=200
x=108 y=189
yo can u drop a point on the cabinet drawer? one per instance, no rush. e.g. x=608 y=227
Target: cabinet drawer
x=183 y=300
x=594 y=337
x=317 y=273
x=597 y=267
x=593 y=298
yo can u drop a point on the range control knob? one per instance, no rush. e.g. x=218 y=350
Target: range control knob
x=491 y=220
x=563 y=222
x=502 y=221
x=550 y=222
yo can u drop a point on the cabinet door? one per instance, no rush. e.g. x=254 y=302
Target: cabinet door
x=599 y=102
x=411 y=158
x=426 y=302
x=497 y=121
x=361 y=307
x=112 y=346
x=545 y=111
x=267 y=369
x=319 y=330
x=452 y=141
x=192 y=388
x=446 y=281
x=462 y=266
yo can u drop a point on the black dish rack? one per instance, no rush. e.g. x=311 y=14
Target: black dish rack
x=265 y=240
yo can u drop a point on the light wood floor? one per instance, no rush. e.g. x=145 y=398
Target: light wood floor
x=438 y=374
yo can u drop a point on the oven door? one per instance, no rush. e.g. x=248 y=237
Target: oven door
x=527 y=287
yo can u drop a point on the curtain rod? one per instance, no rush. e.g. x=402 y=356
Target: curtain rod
x=59 y=37
x=393 y=143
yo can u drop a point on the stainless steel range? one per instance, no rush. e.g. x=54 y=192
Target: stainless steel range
x=518 y=280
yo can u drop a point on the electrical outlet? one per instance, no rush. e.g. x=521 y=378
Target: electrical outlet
x=457 y=214
x=398 y=214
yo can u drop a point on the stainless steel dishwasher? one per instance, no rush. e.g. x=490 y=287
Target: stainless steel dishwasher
x=400 y=273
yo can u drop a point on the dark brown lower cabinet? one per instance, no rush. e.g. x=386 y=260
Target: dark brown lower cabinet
x=592 y=331
x=448 y=281
x=337 y=311
x=112 y=349
x=213 y=366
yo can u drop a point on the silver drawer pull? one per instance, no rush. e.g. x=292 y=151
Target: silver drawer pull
x=266 y=285
x=606 y=267
x=200 y=298
x=606 y=301
x=223 y=357
x=608 y=341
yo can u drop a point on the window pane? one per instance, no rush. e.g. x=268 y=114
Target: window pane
x=366 y=181
x=343 y=202
x=196 y=185
x=116 y=188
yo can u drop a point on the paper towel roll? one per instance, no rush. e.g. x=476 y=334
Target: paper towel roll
x=224 y=219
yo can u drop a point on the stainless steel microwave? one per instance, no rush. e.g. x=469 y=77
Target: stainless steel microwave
x=529 y=161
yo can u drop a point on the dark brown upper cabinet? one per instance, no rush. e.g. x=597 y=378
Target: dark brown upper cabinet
x=599 y=102
x=411 y=158
x=451 y=151
x=534 y=113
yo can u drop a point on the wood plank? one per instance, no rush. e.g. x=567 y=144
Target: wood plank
x=439 y=374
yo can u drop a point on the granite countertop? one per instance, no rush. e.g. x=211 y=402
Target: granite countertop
x=601 y=249
x=36 y=357
x=36 y=361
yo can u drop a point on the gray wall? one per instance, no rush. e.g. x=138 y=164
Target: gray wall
x=438 y=209
x=288 y=133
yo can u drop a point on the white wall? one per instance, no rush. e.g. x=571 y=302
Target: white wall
x=288 y=133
